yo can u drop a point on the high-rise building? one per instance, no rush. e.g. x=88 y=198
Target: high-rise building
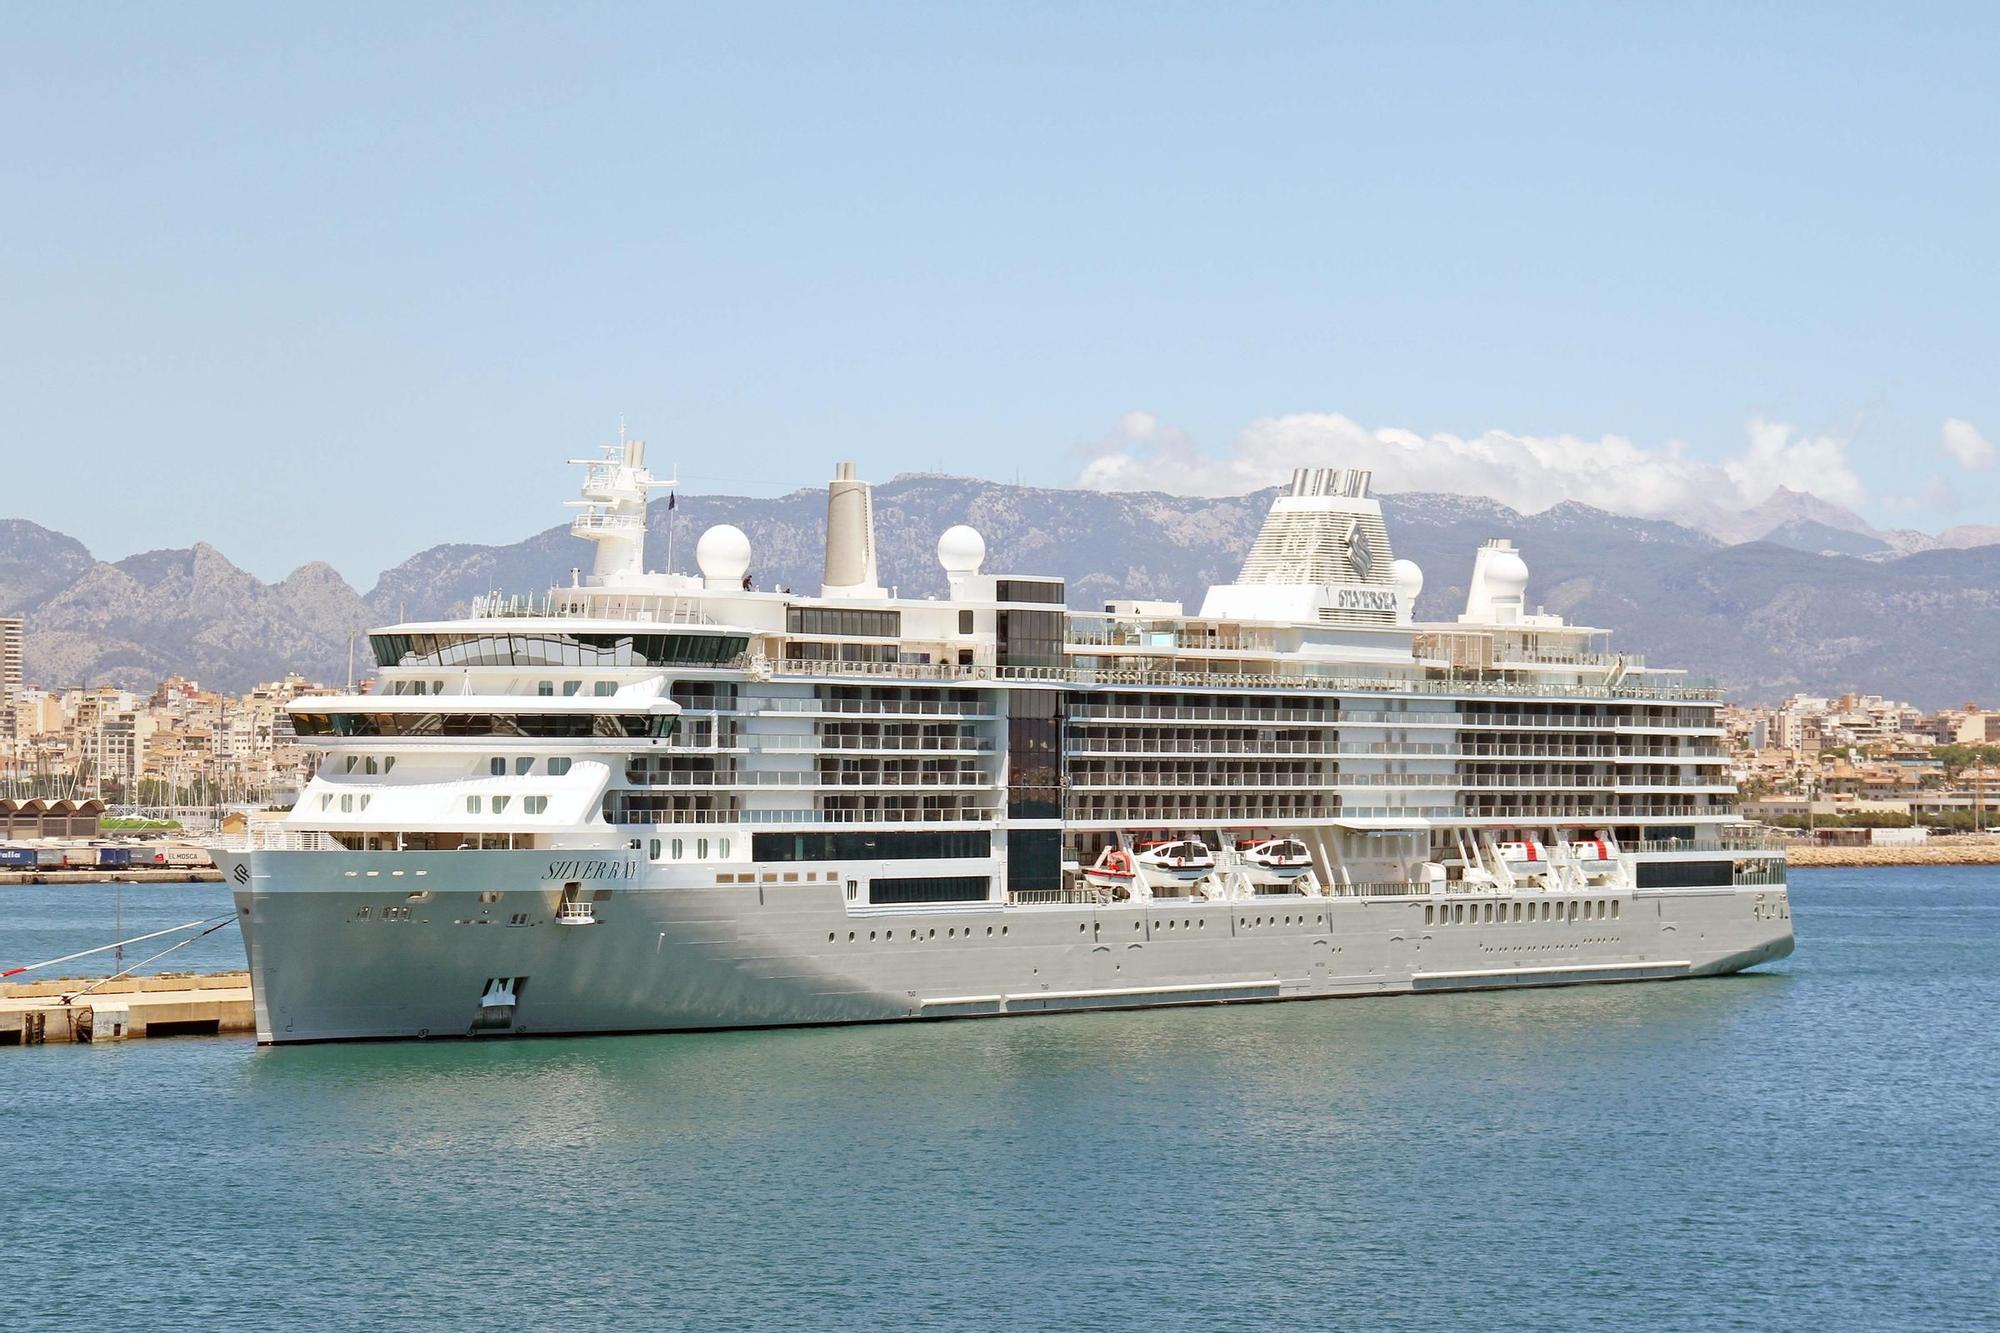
x=10 y=658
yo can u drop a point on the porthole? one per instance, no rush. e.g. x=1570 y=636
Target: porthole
x=1003 y=930
x=829 y=937
x=871 y=934
x=989 y=930
x=850 y=937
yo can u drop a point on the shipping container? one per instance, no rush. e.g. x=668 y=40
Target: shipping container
x=186 y=856
x=49 y=858
x=79 y=858
x=17 y=856
x=114 y=856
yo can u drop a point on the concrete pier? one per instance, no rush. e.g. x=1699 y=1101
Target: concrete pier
x=33 y=1013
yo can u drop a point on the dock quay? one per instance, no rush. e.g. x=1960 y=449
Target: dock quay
x=33 y=1013
x=147 y=875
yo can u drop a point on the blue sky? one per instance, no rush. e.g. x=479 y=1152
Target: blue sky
x=344 y=282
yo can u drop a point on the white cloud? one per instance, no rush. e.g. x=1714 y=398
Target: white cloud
x=1525 y=472
x=1962 y=441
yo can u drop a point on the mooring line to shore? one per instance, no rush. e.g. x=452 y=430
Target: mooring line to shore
x=219 y=924
x=119 y=944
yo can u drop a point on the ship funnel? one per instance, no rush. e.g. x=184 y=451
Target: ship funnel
x=850 y=537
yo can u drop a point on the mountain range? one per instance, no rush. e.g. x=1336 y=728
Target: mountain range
x=1812 y=598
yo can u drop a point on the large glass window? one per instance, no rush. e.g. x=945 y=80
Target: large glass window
x=837 y=620
x=1028 y=590
x=930 y=889
x=610 y=726
x=884 y=846
x=576 y=650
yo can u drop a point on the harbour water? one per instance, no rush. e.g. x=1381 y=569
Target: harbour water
x=1813 y=1145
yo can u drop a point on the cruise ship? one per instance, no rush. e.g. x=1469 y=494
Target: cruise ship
x=657 y=801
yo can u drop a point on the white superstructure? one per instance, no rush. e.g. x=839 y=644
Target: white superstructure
x=683 y=801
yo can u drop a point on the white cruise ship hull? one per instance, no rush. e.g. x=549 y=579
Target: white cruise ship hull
x=339 y=950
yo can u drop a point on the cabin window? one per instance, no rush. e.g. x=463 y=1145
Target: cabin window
x=500 y=804
x=558 y=767
x=701 y=849
x=346 y=803
x=545 y=688
x=653 y=849
x=352 y=760
x=1614 y=910
x=723 y=850
x=326 y=801
x=522 y=764
x=1429 y=915
x=368 y=765
x=677 y=849
x=965 y=622
x=570 y=687
x=472 y=805
x=497 y=766
x=534 y=805
x=1517 y=912
x=388 y=763
x=606 y=688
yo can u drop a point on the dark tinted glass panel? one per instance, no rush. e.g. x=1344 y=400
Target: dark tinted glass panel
x=578 y=650
x=1028 y=590
x=535 y=725
x=1685 y=874
x=935 y=889
x=1034 y=754
x=1034 y=858
x=886 y=846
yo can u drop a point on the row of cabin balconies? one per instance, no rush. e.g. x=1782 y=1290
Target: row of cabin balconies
x=1098 y=779
x=1170 y=744
x=1162 y=672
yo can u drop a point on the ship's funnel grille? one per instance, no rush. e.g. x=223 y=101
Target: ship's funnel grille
x=1320 y=546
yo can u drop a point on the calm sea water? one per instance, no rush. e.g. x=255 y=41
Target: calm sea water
x=1812 y=1146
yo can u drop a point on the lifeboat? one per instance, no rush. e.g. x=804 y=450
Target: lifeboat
x=1113 y=870
x=1527 y=856
x=1276 y=862
x=1174 y=865
x=1592 y=853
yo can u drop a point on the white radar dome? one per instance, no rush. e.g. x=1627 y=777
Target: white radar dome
x=724 y=555
x=1506 y=575
x=1408 y=578
x=961 y=550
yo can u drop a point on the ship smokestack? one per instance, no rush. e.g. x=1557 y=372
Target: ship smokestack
x=850 y=537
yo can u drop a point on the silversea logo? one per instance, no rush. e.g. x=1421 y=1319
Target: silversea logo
x=1366 y=599
x=592 y=870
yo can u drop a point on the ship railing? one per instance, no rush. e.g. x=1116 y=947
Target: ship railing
x=1409 y=812
x=672 y=778
x=961 y=816
x=940 y=744
x=1047 y=897
x=1759 y=873
x=1377 y=889
x=1196 y=713
x=946 y=708
x=278 y=838
x=1725 y=842
x=1125 y=745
